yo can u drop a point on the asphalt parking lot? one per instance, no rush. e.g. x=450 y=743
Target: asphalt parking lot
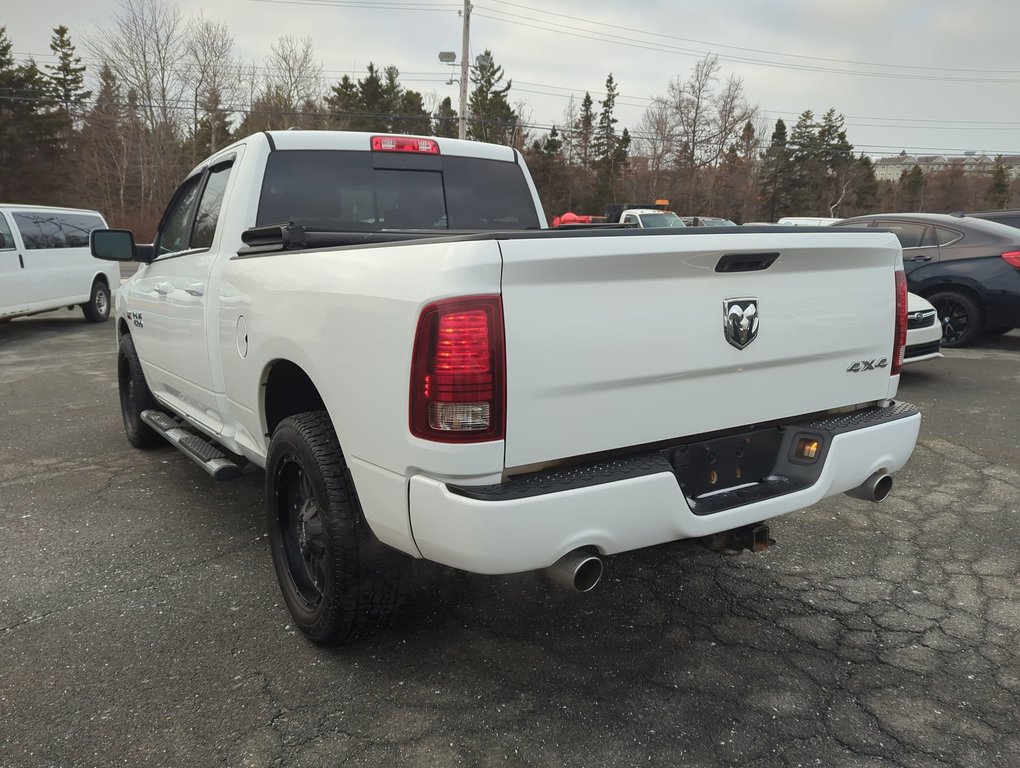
x=141 y=624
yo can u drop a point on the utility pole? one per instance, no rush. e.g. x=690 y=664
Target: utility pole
x=465 y=48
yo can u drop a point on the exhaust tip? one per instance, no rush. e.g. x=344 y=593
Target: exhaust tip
x=875 y=488
x=579 y=570
x=882 y=487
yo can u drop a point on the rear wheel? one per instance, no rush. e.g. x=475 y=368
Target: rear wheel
x=960 y=316
x=97 y=309
x=337 y=580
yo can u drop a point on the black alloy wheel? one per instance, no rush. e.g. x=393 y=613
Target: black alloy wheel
x=337 y=580
x=960 y=317
x=304 y=545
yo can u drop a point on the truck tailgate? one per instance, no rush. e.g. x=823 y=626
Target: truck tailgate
x=620 y=341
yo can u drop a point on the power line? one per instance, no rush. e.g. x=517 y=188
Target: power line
x=714 y=45
x=663 y=48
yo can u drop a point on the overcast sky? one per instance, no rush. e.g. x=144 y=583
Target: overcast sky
x=928 y=76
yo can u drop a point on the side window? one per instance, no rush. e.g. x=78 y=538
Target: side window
x=209 y=206
x=39 y=231
x=6 y=238
x=76 y=228
x=630 y=219
x=175 y=229
x=946 y=236
x=910 y=235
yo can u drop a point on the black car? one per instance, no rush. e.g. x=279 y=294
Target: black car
x=1010 y=218
x=967 y=267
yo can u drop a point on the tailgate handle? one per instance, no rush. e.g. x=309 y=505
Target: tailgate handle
x=746 y=262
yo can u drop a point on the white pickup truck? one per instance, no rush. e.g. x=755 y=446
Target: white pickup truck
x=387 y=327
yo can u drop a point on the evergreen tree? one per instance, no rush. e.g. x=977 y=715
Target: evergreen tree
x=776 y=189
x=447 y=120
x=343 y=102
x=412 y=115
x=372 y=107
x=912 y=189
x=67 y=76
x=584 y=131
x=604 y=140
x=31 y=151
x=548 y=167
x=998 y=191
x=492 y=117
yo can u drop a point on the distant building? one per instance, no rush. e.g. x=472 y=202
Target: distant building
x=890 y=168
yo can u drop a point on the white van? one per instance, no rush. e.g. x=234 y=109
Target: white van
x=45 y=262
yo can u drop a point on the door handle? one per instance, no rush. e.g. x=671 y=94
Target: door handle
x=919 y=258
x=21 y=260
x=195 y=289
x=163 y=288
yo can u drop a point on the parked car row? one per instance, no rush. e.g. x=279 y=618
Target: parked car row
x=968 y=267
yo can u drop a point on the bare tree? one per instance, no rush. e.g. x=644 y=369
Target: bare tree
x=293 y=76
x=701 y=124
x=655 y=140
x=568 y=120
x=213 y=81
x=145 y=49
x=691 y=102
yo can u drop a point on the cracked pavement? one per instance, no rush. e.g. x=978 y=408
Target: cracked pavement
x=141 y=623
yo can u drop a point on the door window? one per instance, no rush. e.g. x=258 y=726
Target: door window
x=6 y=238
x=175 y=230
x=209 y=206
x=909 y=234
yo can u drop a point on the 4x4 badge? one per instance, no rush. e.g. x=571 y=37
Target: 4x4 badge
x=740 y=321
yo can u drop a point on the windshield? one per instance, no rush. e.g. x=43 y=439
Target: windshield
x=669 y=219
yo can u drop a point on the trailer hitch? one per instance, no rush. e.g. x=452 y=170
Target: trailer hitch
x=754 y=537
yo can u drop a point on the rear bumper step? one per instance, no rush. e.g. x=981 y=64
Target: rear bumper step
x=763 y=458
x=201 y=451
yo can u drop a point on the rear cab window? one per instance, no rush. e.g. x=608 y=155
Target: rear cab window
x=358 y=191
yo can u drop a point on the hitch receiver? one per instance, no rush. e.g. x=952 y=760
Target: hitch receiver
x=753 y=537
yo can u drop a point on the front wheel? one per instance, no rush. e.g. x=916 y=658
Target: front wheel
x=336 y=579
x=960 y=316
x=97 y=309
x=135 y=396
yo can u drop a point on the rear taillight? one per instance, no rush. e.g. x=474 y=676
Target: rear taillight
x=1012 y=258
x=458 y=379
x=900 y=340
x=405 y=144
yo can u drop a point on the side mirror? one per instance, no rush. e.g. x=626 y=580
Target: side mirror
x=118 y=245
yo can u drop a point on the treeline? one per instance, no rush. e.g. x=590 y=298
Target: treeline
x=167 y=91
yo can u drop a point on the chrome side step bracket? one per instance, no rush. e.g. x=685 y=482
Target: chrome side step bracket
x=200 y=450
